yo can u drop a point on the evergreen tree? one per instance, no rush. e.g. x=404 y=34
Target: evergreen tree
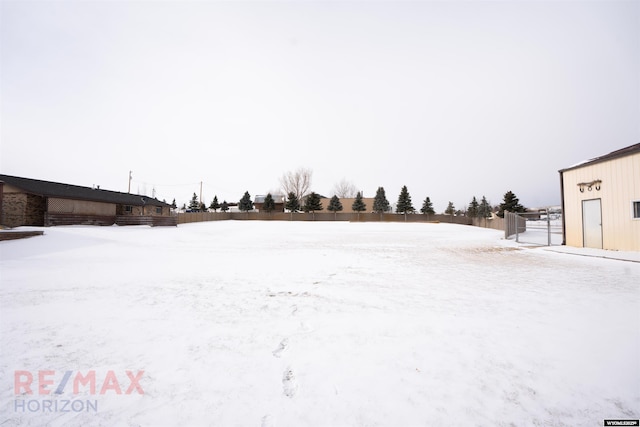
x=473 y=210
x=427 y=207
x=313 y=204
x=380 y=202
x=484 y=210
x=450 y=209
x=269 y=204
x=510 y=204
x=224 y=206
x=194 y=205
x=173 y=204
x=359 y=205
x=184 y=206
x=245 y=204
x=214 y=204
x=404 y=202
x=292 y=202
x=335 y=206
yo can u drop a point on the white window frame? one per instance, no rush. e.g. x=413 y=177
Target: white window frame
x=633 y=210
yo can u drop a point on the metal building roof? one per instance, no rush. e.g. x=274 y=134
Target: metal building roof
x=623 y=152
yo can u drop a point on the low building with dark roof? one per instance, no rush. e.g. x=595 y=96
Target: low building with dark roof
x=25 y=201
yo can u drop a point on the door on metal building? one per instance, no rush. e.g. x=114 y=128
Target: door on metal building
x=592 y=224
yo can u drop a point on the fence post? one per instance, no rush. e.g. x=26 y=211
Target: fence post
x=509 y=222
x=548 y=228
x=506 y=225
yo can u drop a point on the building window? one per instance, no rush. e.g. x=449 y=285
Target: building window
x=128 y=209
x=635 y=206
x=159 y=210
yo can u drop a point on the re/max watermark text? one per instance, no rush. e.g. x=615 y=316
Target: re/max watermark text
x=43 y=382
x=55 y=384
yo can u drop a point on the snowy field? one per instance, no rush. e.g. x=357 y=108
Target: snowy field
x=243 y=323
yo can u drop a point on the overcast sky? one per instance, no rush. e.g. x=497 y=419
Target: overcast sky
x=453 y=99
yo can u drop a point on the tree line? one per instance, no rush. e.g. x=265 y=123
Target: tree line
x=312 y=203
x=296 y=185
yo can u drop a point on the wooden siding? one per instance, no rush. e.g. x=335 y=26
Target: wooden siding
x=14 y=235
x=152 y=220
x=143 y=210
x=58 y=205
x=53 y=219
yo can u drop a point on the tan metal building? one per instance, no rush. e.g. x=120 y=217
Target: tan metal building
x=347 y=204
x=601 y=201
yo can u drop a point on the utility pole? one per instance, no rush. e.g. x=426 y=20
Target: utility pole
x=129 y=189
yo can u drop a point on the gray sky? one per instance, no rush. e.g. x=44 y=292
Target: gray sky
x=453 y=99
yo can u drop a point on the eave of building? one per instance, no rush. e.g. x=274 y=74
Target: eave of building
x=623 y=152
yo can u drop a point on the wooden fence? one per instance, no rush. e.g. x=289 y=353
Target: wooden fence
x=184 y=218
x=13 y=235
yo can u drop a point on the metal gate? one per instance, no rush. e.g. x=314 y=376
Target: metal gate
x=536 y=228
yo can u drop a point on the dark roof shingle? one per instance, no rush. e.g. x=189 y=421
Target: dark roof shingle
x=68 y=191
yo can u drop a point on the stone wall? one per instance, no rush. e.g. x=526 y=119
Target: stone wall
x=1 y=199
x=22 y=209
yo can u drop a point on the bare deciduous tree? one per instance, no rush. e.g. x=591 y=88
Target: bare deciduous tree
x=297 y=182
x=345 y=189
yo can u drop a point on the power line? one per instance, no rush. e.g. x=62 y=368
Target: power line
x=207 y=188
x=167 y=185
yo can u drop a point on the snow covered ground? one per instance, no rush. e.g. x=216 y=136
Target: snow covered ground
x=247 y=323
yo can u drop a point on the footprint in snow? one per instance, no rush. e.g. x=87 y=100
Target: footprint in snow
x=266 y=421
x=304 y=327
x=289 y=384
x=281 y=347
